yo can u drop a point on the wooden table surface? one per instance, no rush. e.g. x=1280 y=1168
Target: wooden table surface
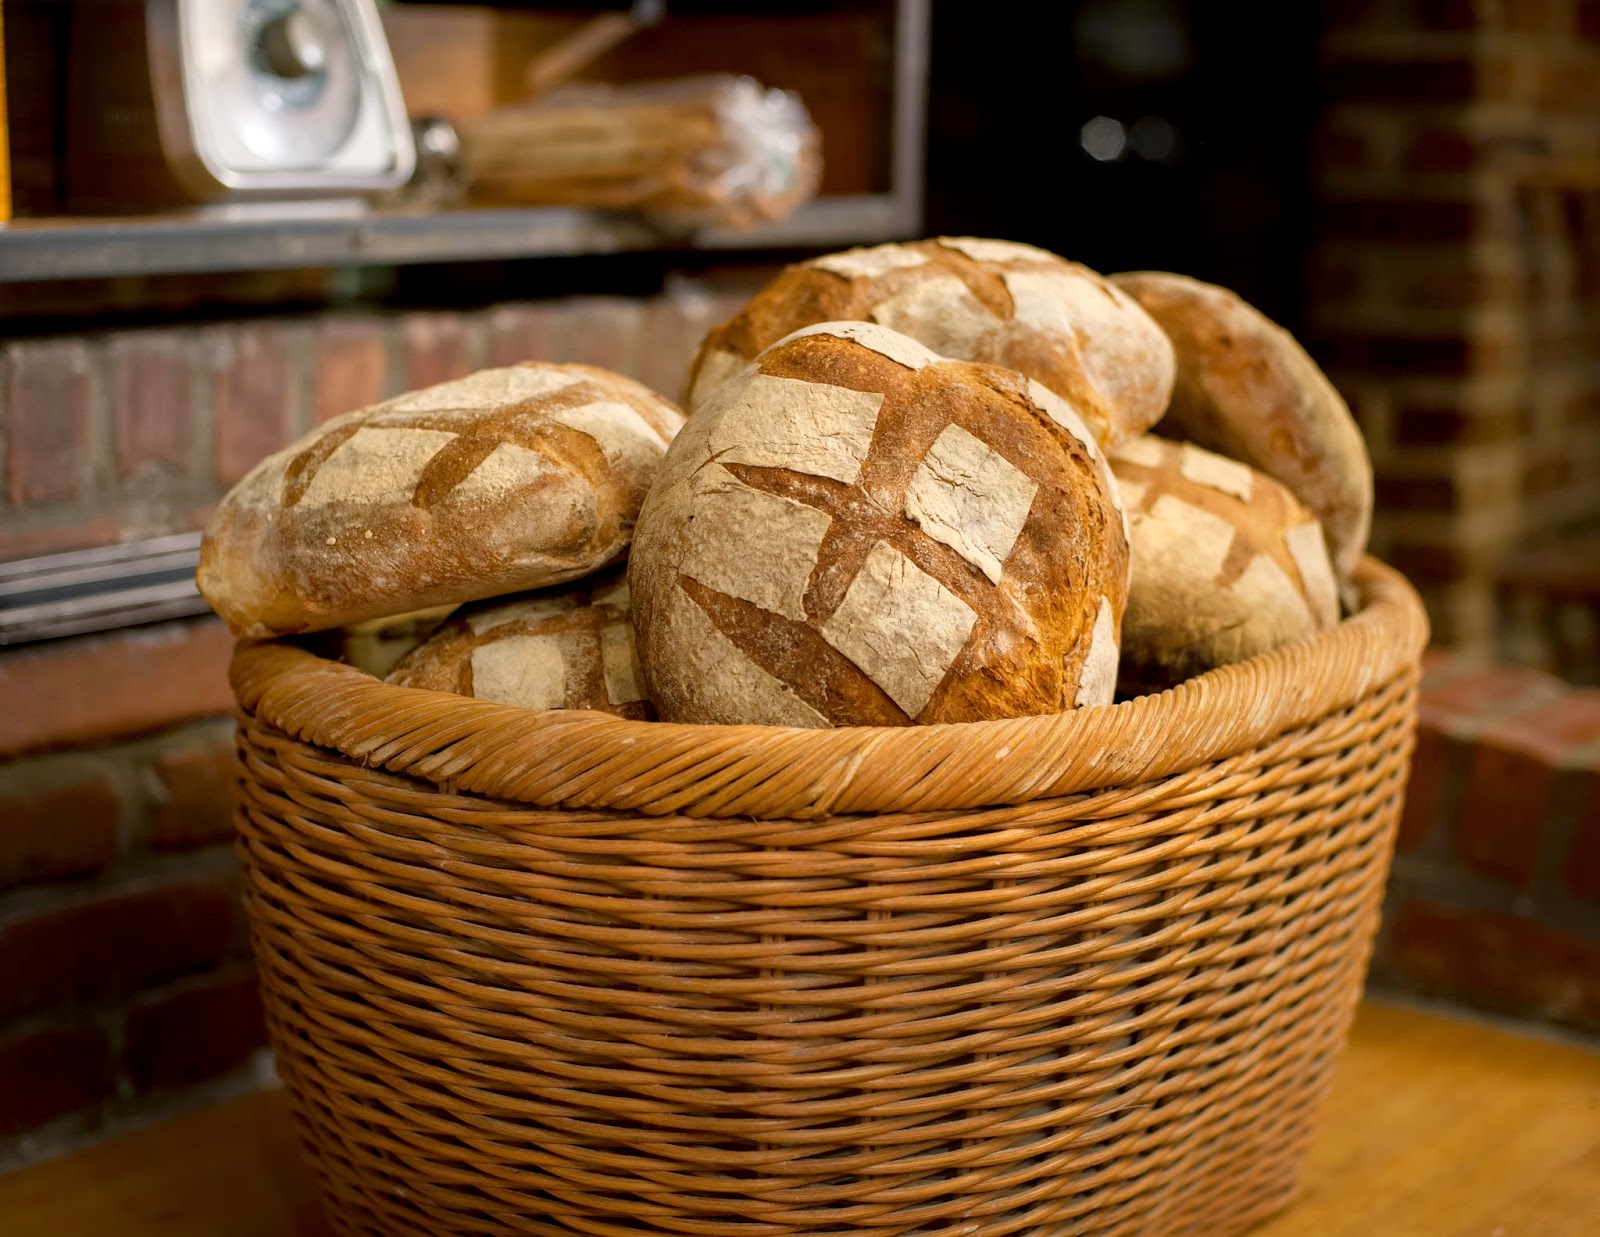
x=1436 y=1126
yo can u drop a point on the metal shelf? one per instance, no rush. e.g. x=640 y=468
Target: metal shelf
x=303 y=234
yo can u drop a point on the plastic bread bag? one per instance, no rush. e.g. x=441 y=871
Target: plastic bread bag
x=688 y=152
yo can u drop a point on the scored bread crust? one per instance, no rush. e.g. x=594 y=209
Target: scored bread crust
x=1248 y=390
x=970 y=299
x=1227 y=564
x=569 y=647
x=855 y=531
x=509 y=479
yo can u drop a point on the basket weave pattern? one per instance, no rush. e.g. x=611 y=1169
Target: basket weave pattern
x=607 y=993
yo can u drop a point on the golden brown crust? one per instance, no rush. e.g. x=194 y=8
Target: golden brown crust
x=974 y=300
x=562 y=648
x=510 y=479
x=1246 y=389
x=1227 y=563
x=856 y=531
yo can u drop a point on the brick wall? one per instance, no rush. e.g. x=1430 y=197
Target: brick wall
x=1495 y=895
x=130 y=434
x=1455 y=281
x=124 y=963
x=125 y=983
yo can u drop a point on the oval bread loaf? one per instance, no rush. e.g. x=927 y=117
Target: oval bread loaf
x=1246 y=389
x=509 y=479
x=570 y=647
x=1226 y=564
x=970 y=299
x=855 y=531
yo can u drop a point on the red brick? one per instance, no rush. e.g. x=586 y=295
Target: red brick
x=1547 y=476
x=1464 y=701
x=1449 y=14
x=1440 y=427
x=45 y=1074
x=1448 y=80
x=1441 y=150
x=59 y=832
x=198 y=785
x=1582 y=875
x=95 y=688
x=1499 y=961
x=724 y=304
x=47 y=393
x=1500 y=827
x=1400 y=493
x=1526 y=16
x=1449 y=356
x=1511 y=781
x=152 y=400
x=605 y=332
x=668 y=336
x=254 y=399
x=436 y=349
x=352 y=365
x=197 y=1033
x=526 y=332
x=1440 y=664
x=1499 y=79
x=1551 y=733
x=1401 y=220
x=80 y=535
x=108 y=946
x=1421 y=561
x=1588 y=19
x=1458 y=289
x=1566 y=85
x=1424 y=790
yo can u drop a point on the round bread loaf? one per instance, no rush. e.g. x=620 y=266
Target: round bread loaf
x=855 y=531
x=506 y=480
x=1246 y=389
x=1226 y=564
x=562 y=648
x=970 y=299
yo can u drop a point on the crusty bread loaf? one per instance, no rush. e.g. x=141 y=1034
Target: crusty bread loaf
x=972 y=300
x=855 y=531
x=1226 y=564
x=509 y=479
x=569 y=647
x=1247 y=390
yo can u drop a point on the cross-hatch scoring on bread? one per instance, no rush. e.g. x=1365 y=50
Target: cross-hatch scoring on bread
x=1227 y=563
x=857 y=531
x=970 y=299
x=509 y=479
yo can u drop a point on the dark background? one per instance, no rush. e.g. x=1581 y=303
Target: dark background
x=1008 y=98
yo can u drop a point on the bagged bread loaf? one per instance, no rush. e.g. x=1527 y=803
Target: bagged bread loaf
x=1226 y=564
x=1246 y=389
x=855 y=531
x=971 y=299
x=569 y=647
x=509 y=479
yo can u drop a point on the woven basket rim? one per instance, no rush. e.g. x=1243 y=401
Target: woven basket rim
x=585 y=760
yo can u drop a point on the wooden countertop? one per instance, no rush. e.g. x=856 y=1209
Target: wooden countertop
x=1436 y=1126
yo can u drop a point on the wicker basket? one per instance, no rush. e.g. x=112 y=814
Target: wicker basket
x=563 y=973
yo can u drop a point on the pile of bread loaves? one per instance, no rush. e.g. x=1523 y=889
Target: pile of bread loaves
x=915 y=484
